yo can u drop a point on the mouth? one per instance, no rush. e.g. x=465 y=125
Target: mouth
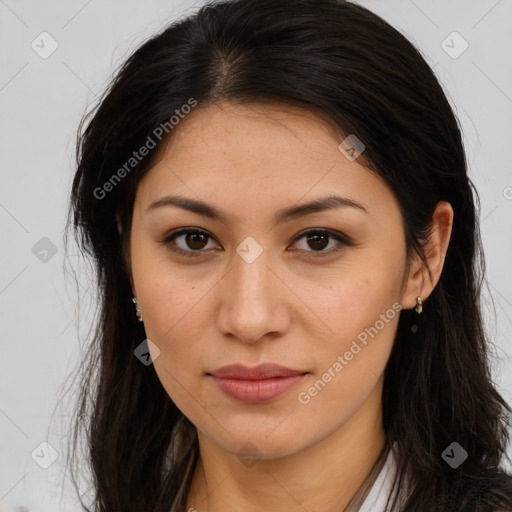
x=256 y=385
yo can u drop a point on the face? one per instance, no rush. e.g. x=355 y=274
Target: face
x=253 y=277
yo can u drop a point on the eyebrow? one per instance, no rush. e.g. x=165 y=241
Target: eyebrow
x=330 y=202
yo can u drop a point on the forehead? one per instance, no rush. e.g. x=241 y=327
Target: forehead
x=251 y=125
x=226 y=151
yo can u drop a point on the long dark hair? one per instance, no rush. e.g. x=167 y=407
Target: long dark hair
x=337 y=59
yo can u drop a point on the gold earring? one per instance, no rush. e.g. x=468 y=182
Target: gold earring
x=138 y=311
x=419 y=305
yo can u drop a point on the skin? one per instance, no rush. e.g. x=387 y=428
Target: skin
x=287 y=306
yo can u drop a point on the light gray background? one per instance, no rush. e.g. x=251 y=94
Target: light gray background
x=41 y=102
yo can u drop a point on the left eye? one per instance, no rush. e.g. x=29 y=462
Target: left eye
x=319 y=240
x=193 y=241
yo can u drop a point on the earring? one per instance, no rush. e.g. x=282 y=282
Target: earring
x=138 y=312
x=419 y=305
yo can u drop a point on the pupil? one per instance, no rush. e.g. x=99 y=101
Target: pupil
x=315 y=240
x=196 y=238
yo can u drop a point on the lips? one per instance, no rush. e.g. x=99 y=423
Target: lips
x=262 y=371
x=258 y=384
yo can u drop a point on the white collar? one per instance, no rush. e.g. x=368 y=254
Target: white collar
x=378 y=495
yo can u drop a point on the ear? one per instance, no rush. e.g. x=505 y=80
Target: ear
x=126 y=256
x=418 y=282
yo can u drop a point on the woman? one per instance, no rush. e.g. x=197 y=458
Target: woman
x=280 y=189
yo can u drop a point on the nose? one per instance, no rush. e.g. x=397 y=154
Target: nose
x=253 y=301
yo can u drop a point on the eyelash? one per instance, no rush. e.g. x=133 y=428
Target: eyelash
x=343 y=241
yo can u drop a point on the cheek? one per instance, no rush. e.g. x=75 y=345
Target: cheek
x=361 y=311
x=173 y=305
x=348 y=370
x=363 y=335
x=168 y=295
x=174 y=319
x=175 y=316
x=352 y=299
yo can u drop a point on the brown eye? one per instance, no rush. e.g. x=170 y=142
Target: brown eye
x=318 y=241
x=315 y=241
x=188 y=242
x=196 y=240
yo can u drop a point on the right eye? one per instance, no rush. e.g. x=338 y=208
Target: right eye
x=187 y=242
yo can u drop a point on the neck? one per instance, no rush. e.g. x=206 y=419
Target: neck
x=325 y=476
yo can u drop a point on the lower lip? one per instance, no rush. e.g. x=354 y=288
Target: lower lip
x=256 y=391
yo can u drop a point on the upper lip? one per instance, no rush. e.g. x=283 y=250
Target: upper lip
x=261 y=371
